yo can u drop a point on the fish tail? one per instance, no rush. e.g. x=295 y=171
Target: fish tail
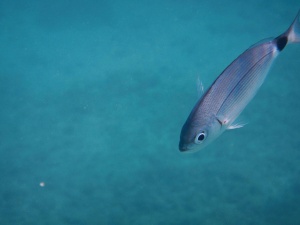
x=293 y=33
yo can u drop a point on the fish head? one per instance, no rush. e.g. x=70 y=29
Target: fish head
x=197 y=134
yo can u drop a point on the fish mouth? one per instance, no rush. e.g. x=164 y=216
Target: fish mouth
x=187 y=148
x=183 y=147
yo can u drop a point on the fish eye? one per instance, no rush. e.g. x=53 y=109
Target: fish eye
x=200 y=137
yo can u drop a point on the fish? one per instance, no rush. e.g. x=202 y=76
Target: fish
x=218 y=108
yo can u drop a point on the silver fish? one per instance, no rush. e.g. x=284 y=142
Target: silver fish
x=231 y=92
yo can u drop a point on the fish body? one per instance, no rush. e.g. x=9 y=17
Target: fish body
x=218 y=108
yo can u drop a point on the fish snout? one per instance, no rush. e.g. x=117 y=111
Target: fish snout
x=183 y=147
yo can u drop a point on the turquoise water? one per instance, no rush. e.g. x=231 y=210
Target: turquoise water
x=93 y=97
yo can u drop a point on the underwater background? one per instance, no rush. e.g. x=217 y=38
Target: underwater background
x=93 y=96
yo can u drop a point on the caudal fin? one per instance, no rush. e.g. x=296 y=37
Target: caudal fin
x=293 y=33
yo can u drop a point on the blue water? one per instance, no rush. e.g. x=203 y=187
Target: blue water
x=93 y=95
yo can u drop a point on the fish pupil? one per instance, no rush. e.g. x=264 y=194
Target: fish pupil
x=201 y=137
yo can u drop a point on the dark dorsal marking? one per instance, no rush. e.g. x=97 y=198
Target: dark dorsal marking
x=281 y=42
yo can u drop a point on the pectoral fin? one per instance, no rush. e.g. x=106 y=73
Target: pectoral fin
x=235 y=126
x=225 y=121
